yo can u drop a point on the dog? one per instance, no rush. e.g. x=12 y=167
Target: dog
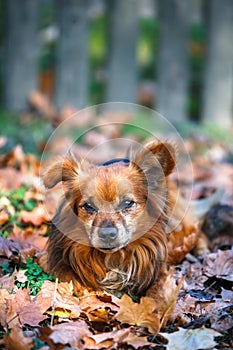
x=114 y=229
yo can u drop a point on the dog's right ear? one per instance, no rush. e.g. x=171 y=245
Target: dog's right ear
x=64 y=170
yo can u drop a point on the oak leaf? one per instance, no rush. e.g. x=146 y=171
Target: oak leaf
x=139 y=314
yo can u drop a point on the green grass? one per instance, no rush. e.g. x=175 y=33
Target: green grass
x=26 y=132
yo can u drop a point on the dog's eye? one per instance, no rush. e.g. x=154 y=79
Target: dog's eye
x=89 y=207
x=126 y=204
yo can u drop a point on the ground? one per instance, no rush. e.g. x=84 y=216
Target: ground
x=192 y=311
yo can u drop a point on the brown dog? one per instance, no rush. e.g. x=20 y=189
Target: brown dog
x=111 y=230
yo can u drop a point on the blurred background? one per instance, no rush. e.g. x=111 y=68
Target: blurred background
x=57 y=57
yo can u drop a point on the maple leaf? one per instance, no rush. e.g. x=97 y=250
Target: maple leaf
x=22 y=304
x=17 y=340
x=201 y=338
x=139 y=314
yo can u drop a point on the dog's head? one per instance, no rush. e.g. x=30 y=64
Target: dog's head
x=115 y=202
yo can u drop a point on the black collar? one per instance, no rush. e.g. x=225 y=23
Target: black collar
x=116 y=160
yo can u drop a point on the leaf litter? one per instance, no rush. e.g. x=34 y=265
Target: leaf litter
x=192 y=309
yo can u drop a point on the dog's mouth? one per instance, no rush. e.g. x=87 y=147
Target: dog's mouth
x=112 y=249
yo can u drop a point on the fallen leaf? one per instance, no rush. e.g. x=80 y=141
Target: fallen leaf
x=200 y=338
x=137 y=342
x=36 y=217
x=166 y=293
x=23 y=305
x=10 y=178
x=17 y=340
x=15 y=250
x=7 y=282
x=107 y=340
x=93 y=301
x=72 y=333
x=139 y=314
x=20 y=276
x=4 y=216
x=4 y=295
x=220 y=264
x=33 y=236
x=66 y=305
x=9 y=248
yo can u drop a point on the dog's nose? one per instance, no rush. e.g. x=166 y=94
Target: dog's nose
x=108 y=233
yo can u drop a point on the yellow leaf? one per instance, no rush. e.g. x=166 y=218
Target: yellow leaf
x=139 y=314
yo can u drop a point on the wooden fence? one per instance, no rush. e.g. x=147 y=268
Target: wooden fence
x=174 y=83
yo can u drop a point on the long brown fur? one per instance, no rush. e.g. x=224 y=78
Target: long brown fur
x=135 y=266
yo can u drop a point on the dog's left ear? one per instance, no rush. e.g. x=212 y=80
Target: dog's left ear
x=65 y=170
x=162 y=154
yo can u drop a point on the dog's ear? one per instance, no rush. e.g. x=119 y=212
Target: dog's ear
x=64 y=170
x=154 y=155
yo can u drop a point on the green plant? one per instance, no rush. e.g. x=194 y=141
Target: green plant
x=35 y=275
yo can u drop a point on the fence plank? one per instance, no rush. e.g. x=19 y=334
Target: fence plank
x=173 y=71
x=122 y=71
x=71 y=87
x=21 y=51
x=218 y=80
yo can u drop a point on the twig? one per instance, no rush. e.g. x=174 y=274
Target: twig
x=54 y=302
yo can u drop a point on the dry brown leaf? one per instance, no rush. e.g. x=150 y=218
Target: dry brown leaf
x=20 y=276
x=23 y=306
x=14 y=250
x=92 y=301
x=139 y=314
x=201 y=338
x=4 y=216
x=181 y=242
x=7 y=282
x=220 y=264
x=41 y=102
x=10 y=179
x=36 y=217
x=32 y=236
x=137 y=342
x=4 y=295
x=9 y=248
x=17 y=340
x=165 y=293
x=64 y=298
x=72 y=333
x=107 y=340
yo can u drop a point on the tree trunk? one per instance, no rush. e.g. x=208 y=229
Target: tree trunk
x=122 y=64
x=173 y=70
x=21 y=52
x=71 y=87
x=218 y=84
